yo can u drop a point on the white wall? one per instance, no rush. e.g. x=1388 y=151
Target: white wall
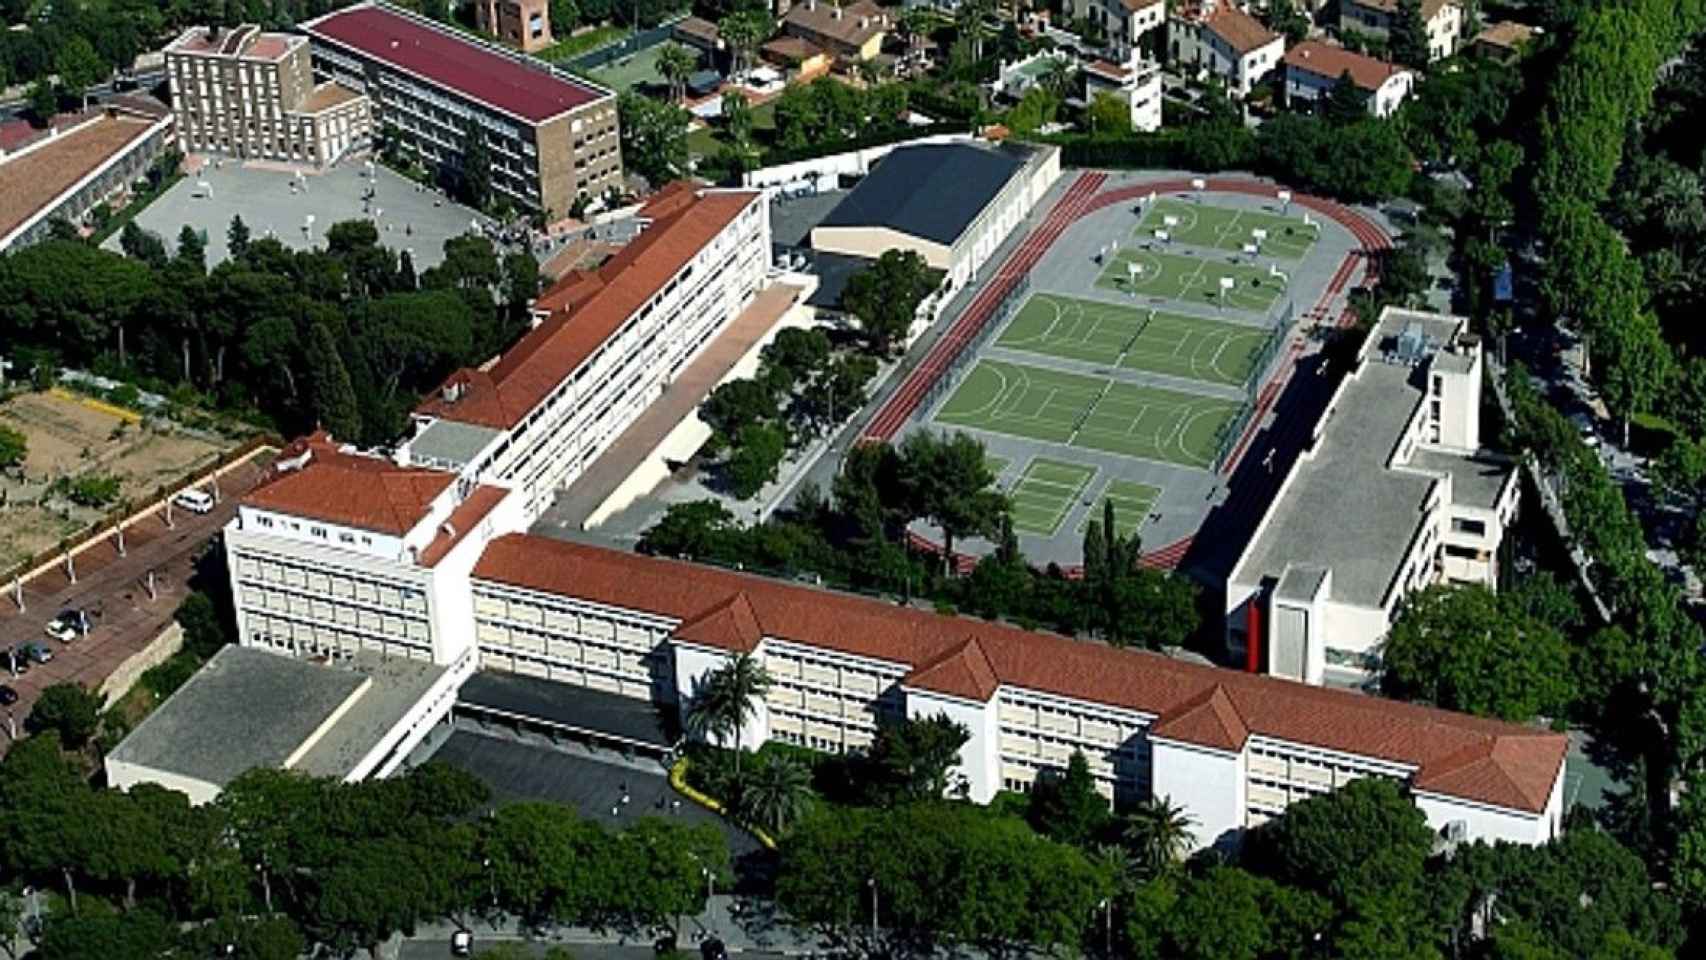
x=693 y=665
x=980 y=758
x=1208 y=783
x=1488 y=823
x=123 y=776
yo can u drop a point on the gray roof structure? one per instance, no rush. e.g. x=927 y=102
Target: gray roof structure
x=573 y=708
x=398 y=685
x=1344 y=509
x=931 y=191
x=447 y=441
x=245 y=708
x=1301 y=582
x=1475 y=480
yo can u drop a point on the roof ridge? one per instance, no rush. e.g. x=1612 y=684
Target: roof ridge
x=1226 y=729
x=962 y=669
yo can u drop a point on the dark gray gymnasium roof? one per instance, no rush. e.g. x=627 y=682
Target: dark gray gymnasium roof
x=930 y=191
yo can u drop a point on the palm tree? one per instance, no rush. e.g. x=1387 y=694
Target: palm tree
x=1158 y=833
x=775 y=794
x=727 y=699
x=675 y=63
x=969 y=19
x=1059 y=77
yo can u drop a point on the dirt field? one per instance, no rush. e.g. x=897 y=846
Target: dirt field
x=70 y=437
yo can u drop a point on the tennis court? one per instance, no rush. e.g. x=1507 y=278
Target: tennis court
x=1099 y=414
x=1227 y=228
x=1196 y=348
x=1187 y=279
x=1132 y=502
x=1045 y=493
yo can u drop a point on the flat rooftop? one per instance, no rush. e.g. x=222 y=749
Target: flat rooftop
x=33 y=181
x=396 y=685
x=1476 y=480
x=521 y=87
x=1344 y=509
x=246 y=708
x=573 y=708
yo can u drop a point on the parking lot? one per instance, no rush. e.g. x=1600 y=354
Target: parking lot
x=297 y=210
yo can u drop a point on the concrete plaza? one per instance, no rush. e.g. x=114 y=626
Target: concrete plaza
x=276 y=202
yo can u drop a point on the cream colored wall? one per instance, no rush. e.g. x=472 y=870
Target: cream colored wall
x=873 y=242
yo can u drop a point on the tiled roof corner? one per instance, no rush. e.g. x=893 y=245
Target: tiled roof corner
x=366 y=492
x=1508 y=771
x=963 y=671
x=729 y=625
x=1209 y=719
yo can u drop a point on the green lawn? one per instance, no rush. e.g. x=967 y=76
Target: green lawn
x=1225 y=228
x=1100 y=414
x=1045 y=494
x=708 y=141
x=1195 y=348
x=1188 y=279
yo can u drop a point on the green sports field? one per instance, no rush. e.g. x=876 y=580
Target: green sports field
x=1098 y=414
x=1226 y=228
x=1192 y=347
x=1187 y=279
x=1045 y=494
x=1132 y=502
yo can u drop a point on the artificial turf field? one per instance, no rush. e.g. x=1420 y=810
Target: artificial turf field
x=1045 y=493
x=1188 y=279
x=1226 y=228
x=1196 y=348
x=1131 y=500
x=1098 y=414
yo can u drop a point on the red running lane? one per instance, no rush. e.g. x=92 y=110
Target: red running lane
x=1074 y=205
x=905 y=400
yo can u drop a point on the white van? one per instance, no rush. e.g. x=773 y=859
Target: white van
x=193 y=500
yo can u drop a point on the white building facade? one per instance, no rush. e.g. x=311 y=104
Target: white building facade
x=1137 y=83
x=1392 y=494
x=1314 y=68
x=1215 y=38
x=1124 y=22
x=1374 y=18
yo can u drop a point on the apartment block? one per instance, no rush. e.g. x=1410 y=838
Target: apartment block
x=1123 y=22
x=608 y=343
x=252 y=95
x=1233 y=749
x=550 y=136
x=1393 y=493
x=1216 y=38
x=524 y=23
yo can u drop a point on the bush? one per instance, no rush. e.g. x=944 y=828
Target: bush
x=69 y=710
x=164 y=679
x=92 y=490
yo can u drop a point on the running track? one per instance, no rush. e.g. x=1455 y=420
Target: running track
x=1080 y=200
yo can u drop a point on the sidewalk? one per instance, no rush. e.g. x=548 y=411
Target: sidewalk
x=743 y=924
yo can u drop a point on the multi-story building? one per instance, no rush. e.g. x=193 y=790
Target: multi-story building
x=1374 y=18
x=524 y=23
x=1124 y=22
x=549 y=136
x=1215 y=38
x=1313 y=69
x=1231 y=748
x=1393 y=493
x=76 y=164
x=853 y=32
x=250 y=94
x=609 y=343
x=1137 y=84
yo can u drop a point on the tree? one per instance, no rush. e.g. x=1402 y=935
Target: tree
x=1407 y=38
x=775 y=794
x=14 y=446
x=910 y=760
x=1229 y=914
x=79 y=67
x=726 y=698
x=192 y=250
x=738 y=118
x=675 y=64
x=1158 y=833
x=1467 y=648
x=654 y=137
x=1638 y=366
x=44 y=100
x=736 y=405
x=475 y=180
x=947 y=481
x=758 y=452
x=692 y=531
x=329 y=385
x=95 y=936
x=1365 y=837
x=1282 y=16
x=1346 y=102
x=237 y=237
x=204 y=630
x=1109 y=116
x=884 y=297
x=143 y=245
x=1065 y=805
x=68 y=710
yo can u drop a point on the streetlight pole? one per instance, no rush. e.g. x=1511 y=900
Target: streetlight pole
x=1107 y=906
x=872 y=883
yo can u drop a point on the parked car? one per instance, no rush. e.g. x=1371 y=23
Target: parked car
x=461 y=943
x=8 y=696
x=69 y=625
x=194 y=500
x=35 y=652
x=15 y=660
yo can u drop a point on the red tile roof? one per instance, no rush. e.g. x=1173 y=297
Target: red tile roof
x=467 y=516
x=471 y=69
x=369 y=493
x=1485 y=760
x=1241 y=31
x=587 y=308
x=1326 y=60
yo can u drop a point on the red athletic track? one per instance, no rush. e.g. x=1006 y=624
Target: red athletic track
x=1078 y=201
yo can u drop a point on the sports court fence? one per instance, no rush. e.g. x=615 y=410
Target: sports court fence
x=1284 y=317
x=951 y=367
x=1226 y=438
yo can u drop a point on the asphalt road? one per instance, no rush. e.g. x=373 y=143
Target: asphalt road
x=436 y=949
